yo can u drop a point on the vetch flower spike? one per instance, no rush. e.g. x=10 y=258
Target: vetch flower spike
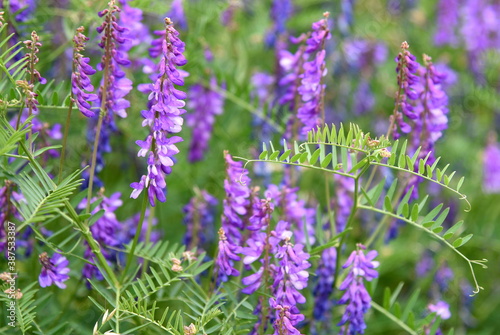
x=163 y=118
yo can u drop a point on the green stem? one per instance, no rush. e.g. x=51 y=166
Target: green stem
x=65 y=140
x=138 y=231
x=94 y=159
x=350 y=221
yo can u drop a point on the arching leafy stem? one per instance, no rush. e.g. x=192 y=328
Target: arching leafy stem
x=349 y=152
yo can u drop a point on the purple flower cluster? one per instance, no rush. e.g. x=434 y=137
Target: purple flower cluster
x=105 y=230
x=236 y=204
x=136 y=32
x=163 y=117
x=54 y=270
x=361 y=268
x=199 y=220
x=115 y=85
x=226 y=255
x=289 y=278
x=431 y=110
x=258 y=243
x=81 y=86
x=407 y=82
x=22 y=8
x=441 y=308
x=311 y=88
x=205 y=103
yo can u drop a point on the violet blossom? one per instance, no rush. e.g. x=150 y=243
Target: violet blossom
x=81 y=86
x=407 y=81
x=289 y=277
x=236 y=204
x=163 y=118
x=226 y=255
x=204 y=104
x=311 y=88
x=441 y=308
x=54 y=270
x=356 y=297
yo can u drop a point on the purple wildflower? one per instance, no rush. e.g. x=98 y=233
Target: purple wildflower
x=137 y=31
x=289 y=278
x=290 y=65
x=343 y=201
x=311 y=88
x=129 y=228
x=446 y=22
x=491 y=167
x=80 y=80
x=286 y=318
x=54 y=270
x=204 y=104
x=163 y=118
x=22 y=8
x=407 y=82
x=115 y=85
x=441 y=308
x=106 y=228
x=257 y=244
x=431 y=111
x=356 y=296
x=236 y=205
x=226 y=255
x=199 y=220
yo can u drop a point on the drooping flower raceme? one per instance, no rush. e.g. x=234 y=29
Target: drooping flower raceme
x=236 y=204
x=432 y=111
x=163 y=118
x=312 y=88
x=226 y=255
x=81 y=85
x=204 y=103
x=356 y=297
x=115 y=85
x=407 y=81
x=54 y=270
x=289 y=278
